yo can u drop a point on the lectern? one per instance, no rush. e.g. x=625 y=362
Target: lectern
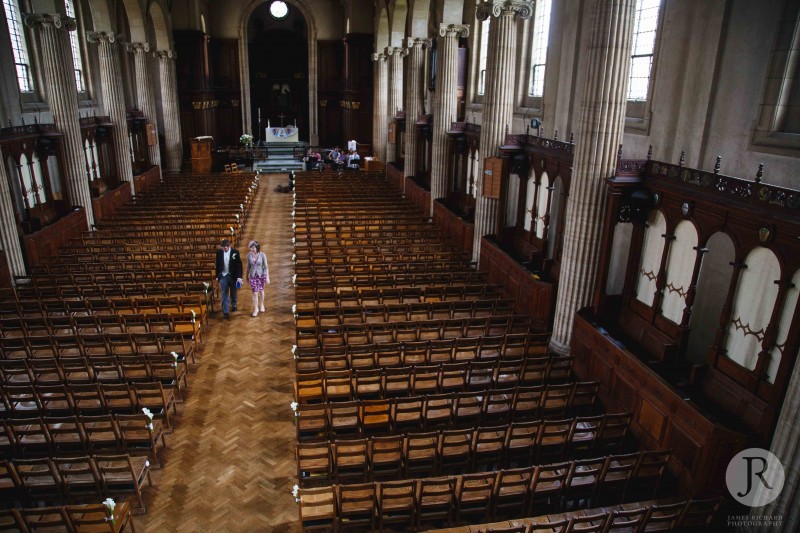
x=201 y=154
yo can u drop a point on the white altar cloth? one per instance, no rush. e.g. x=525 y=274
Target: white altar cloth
x=287 y=134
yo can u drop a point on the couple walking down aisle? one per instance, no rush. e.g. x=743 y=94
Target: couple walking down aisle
x=229 y=268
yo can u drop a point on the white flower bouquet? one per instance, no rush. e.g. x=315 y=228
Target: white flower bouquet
x=246 y=139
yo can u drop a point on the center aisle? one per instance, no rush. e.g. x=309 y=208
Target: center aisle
x=229 y=466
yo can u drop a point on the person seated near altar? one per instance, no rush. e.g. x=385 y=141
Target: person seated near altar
x=334 y=154
x=341 y=161
x=353 y=160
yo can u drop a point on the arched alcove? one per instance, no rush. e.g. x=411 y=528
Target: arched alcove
x=277 y=52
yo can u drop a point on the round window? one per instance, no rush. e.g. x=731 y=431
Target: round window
x=278 y=9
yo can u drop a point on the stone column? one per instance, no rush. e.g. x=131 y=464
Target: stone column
x=380 y=107
x=169 y=109
x=445 y=103
x=498 y=99
x=786 y=447
x=600 y=129
x=144 y=93
x=114 y=100
x=414 y=86
x=9 y=240
x=62 y=96
x=395 y=57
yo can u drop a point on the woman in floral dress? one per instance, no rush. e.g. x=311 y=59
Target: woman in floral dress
x=257 y=275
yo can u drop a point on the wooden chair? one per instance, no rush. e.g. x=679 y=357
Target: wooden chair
x=313 y=463
x=386 y=457
x=397 y=505
x=436 y=501
x=512 y=491
x=356 y=506
x=95 y=518
x=317 y=507
x=350 y=460
x=474 y=493
x=123 y=475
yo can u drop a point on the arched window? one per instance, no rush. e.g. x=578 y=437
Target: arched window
x=18 y=47
x=642 y=55
x=541 y=37
x=482 y=38
x=75 y=49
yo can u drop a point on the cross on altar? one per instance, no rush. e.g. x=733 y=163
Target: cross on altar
x=281 y=117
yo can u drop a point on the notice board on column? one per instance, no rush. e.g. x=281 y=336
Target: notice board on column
x=392 y=133
x=492 y=174
x=152 y=135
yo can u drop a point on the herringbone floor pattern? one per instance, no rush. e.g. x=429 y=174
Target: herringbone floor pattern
x=229 y=465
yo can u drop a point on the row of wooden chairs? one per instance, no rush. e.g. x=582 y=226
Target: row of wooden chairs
x=335 y=316
x=401 y=242
x=387 y=355
x=147 y=321
x=97 y=344
x=415 y=330
x=167 y=369
x=420 y=379
x=175 y=304
x=347 y=267
x=62 y=480
x=681 y=515
x=71 y=299
x=69 y=518
x=32 y=401
x=319 y=297
x=134 y=434
x=395 y=415
x=417 y=454
x=481 y=496
x=420 y=281
x=391 y=253
x=99 y=277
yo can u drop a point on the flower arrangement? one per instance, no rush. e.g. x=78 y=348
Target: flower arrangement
x=110 y=504
x=296 y=493
x=176 y=357
x=149 y=415
x=246 y=139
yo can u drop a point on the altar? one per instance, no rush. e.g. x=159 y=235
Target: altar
x=282 y=134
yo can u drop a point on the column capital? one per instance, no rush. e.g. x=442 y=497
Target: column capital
x=397 y=51
x=460 y=30
x=138 y=47
x=101 y=36
x=378 y=56
x=165 y=54
x=419 y=42
x=494 y=8
x=33 y=20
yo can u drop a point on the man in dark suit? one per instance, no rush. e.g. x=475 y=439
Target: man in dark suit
x=229 y=274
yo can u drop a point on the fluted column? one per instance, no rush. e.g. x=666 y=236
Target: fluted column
x=445 y=103
x=380 y=107
x=395 y=57
x=62 y=97
x=600 y=129
x=9 y=240
x=498 y=99
x=786 y=447
x=413 y=107
x=144 y=93
x=169 y=109
x=114 y=100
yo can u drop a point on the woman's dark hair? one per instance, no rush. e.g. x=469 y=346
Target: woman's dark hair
x=251 y=244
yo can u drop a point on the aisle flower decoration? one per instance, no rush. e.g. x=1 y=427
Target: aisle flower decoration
x=294 y=258
x=110 y=504
x=296 y=493
x=176 y=357
x=149 y=415
x=246 y=139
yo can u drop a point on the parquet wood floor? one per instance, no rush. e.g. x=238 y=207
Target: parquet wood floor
x=229 y=465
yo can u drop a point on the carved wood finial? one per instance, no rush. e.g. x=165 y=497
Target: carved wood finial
x=760 y=173
x=506 y=129
x=527 y=130
x=23 y=120
x=718 y=164
x=619 y=152
x=650 y=152
x=555 y=135
x=683 y=158
x=572 y=137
